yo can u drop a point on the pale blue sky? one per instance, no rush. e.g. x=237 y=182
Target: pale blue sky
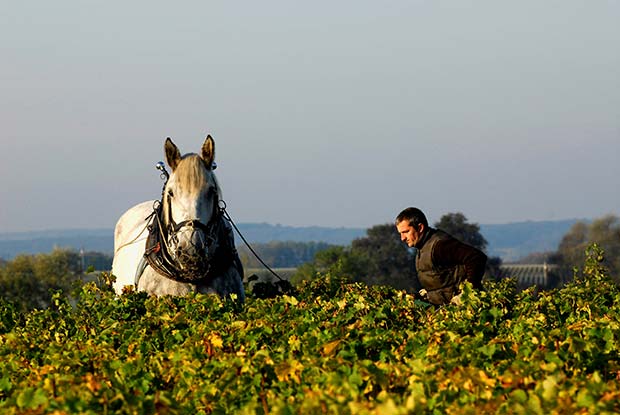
x=332 y=113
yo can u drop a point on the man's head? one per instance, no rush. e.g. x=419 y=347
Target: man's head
x=411 y=224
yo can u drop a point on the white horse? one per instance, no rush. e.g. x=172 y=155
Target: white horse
x=182 y=243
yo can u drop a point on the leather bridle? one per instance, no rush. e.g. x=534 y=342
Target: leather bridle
x=159 y=255
x=173 y=228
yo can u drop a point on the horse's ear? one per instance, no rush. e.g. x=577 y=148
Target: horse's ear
x=173 y=155
x=208 y=151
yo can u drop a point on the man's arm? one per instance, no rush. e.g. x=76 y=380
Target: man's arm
x=450 y=252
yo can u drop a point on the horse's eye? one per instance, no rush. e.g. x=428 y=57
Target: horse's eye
x=170 y=193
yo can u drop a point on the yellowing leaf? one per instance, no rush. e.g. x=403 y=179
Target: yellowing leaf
x=294 y=342
x=388 y=407
x=216 y=340
x=91 y=383
x=289 y=370
x=432 y=350
x=549 y=386
x=290 y=300
x=468 y=385
x=329 y=348
x=486 y=380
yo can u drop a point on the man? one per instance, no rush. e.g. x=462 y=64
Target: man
x=442 y=261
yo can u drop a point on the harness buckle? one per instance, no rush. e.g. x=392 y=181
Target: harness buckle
x=162 y=168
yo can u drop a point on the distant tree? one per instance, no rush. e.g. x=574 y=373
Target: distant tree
x=572 y=246
x=96 y=260
x=337 y=261
x=379 y=258
x=605 y=231
x=18 y=282
x=57 y=267
x=390 y=262
x=28 y=281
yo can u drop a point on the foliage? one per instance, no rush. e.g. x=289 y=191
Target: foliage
x=603 y=231
x=335 y=348
x=390 y=262
x=28 y=281
x=95 y=260
x=336 y=260
x=379 y=258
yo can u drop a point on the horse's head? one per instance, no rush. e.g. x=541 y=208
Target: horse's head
x=190 y=205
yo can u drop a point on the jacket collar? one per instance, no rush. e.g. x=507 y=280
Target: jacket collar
x=425 y=237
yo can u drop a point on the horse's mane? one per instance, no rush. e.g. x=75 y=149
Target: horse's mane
x=191 y=173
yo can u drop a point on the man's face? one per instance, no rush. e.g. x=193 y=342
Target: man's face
x=409 y=234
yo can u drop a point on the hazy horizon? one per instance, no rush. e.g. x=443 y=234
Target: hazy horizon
x=323 y=114
x=78 y=230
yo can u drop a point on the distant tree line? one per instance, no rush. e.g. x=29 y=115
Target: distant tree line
x=95 y=261
x=571 y=251
x=604 y=231
x=279 y=254
x=28 y=281
x=378 y=258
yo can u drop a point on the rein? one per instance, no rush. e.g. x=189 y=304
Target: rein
x=229 y=219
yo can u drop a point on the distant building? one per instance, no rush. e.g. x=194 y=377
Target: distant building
x=541 y=275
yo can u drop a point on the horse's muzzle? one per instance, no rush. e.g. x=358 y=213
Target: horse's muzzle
x=192 y=250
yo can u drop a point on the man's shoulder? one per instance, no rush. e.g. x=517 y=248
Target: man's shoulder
x=440 y=235
x=443 y=241
x=434 y=237
x=447 y=244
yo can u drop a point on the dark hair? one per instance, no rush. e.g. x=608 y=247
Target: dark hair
x=414 y=215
